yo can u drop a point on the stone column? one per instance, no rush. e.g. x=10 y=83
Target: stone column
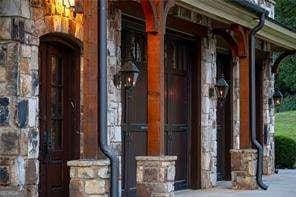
x=208 y=113
x=89 y=178
x=243 y=169
x=268 y=117
x=19 y=132
x=236 y=104
x=155 y=176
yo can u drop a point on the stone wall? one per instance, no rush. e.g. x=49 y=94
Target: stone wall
x=114 y=112
x=235 y=104
x=113 y=66
x=208 y=113
x=89 y=178
x=22 y=23
x=243 y=169
x=155 y=176
x=268 y=118
x=19 y=141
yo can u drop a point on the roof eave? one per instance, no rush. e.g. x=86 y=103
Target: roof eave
x=226 y=12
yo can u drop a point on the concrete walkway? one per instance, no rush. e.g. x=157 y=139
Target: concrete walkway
x=282 y=184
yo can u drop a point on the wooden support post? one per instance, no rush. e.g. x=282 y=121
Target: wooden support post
x=242 y=38
x=89 y=122
x=155 y=12
x=245 y=131
x=155 y=94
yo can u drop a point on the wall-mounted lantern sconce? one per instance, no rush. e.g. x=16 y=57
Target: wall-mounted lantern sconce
x=221 y=88
x=75 y=6
x=277 y=97
x=127 y=76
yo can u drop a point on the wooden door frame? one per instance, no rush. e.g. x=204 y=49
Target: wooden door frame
x=195 y=110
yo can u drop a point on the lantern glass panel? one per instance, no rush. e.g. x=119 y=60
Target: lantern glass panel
x=222 y=88
x=221 y=91
x=129 y=79
x=278 y=101
x=278 y=97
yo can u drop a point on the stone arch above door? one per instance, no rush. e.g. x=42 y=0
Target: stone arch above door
x=53 y=16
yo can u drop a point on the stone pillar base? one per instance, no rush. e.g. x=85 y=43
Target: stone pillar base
x=268 y=160
x=89 y=177
x=155 y=176
x=243 y=169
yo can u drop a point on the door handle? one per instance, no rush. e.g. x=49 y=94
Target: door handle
x=72 y=104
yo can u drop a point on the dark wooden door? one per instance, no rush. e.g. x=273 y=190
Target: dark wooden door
x=224 y=120
x=59 y=133
x=178 y=59
x=134 y=109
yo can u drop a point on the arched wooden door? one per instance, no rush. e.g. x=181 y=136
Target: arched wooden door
x=59 y=115
x=178 y=62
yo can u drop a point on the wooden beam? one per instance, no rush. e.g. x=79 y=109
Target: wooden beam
x=89 y=121
x=155 y=12
x=242 y=39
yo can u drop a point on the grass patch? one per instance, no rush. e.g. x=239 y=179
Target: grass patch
x=285 y=124
x=285 y=139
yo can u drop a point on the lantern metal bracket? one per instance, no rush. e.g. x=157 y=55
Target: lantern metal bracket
x=211 y=92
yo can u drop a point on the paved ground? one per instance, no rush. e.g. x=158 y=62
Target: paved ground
x=282 y=184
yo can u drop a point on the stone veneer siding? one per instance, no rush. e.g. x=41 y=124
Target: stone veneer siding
x=114 y=110
x=268 y=118
x=235 y=104
x=208 y=113
x=243 y=169
x=89 y=178
x=155 y=176
x=22 y=23
x=113 y=66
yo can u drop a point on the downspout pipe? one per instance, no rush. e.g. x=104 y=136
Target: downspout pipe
x=253 y=101
x=107 y=150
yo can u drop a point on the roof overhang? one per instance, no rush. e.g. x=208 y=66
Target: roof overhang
x=226 y=12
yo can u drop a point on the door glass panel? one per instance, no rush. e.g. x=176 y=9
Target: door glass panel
x=57 y=100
